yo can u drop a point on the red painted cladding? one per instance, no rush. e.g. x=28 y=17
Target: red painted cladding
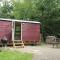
x=5 y=29
x=30 y=31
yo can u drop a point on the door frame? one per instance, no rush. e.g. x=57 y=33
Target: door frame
x=13 y=30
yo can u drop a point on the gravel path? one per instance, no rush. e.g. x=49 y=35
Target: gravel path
x=42 y=53
x=47 y=54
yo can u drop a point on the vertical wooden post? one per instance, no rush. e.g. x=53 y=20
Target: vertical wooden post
x=13 y=30
x=21 y=30
x=21 y=35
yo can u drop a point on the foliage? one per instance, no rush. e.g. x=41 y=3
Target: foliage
x=6 y=10
x=48 y=12
x=23 y=10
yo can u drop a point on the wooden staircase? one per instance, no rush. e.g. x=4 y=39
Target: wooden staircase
x=18 y=43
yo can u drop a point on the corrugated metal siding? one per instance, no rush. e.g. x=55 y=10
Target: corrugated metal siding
x=30 y=32
x=5 y=29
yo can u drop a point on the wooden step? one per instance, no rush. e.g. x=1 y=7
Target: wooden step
x=18 y=43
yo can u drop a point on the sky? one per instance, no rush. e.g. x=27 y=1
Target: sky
x=1 y=2
x=9 y=0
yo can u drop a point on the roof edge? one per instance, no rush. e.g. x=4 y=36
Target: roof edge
x=19 y=20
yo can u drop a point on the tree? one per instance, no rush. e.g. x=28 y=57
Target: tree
x=6 y=10
x=24 y=9
x=48 y=14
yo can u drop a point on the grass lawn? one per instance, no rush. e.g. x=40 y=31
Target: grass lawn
x=14 y=55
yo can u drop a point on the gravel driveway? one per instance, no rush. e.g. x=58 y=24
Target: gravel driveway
x=42 y=52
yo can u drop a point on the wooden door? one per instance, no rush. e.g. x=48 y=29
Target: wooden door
x=17 y=31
